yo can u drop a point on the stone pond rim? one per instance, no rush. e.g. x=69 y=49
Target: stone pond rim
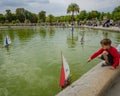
x=93 y=83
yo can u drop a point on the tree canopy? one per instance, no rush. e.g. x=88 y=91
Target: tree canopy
x=116 y=13
x=42 y=16
x=72 y=8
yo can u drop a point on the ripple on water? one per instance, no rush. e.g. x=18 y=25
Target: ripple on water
x=3 y=92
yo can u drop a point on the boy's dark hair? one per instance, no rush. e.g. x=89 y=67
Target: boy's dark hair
x=105 y=42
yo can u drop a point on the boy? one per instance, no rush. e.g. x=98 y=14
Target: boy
x=107 y=53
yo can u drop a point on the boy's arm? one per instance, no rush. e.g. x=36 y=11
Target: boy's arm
x=116 y=59
x=116 y=62
x=94 y=55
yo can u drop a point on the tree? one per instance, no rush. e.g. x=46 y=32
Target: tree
x=116 y=13
x=72 y=8
x=67 y=18
x=42 y=16
x=30 y=17
x=50 y=19
x=62 y=18
x=33 y=18
x=116 y=16
x=109 y=16
x=93 y=14
x=8 y=15
x=117 y=9
x=101 y=17
x=25 y=16
x=20 y=13
x=14 y=18
x=82 y=15
x=2 y=18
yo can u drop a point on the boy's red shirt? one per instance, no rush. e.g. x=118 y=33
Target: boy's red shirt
x=113 y=51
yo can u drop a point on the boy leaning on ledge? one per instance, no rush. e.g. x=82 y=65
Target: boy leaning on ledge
x=107 y=53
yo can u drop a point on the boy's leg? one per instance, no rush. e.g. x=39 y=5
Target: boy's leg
x=107 y=57
x=104 y=56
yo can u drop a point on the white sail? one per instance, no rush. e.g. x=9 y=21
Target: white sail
x=66 y=68
x=7 y=41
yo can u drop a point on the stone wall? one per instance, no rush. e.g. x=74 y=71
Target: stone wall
x=93 y=83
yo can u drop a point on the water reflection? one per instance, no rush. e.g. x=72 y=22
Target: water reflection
x=105 y=34
x=17 y=36
x=8 y=48
x=42 y=32
x=82 y=40
x=7 y=32
x=1 y=36
x=51 y=31
x=118 y=39
x=24 y=34
x=11 y=34
x=72 y=38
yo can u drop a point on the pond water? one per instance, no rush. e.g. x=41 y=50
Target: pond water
x=31 y=65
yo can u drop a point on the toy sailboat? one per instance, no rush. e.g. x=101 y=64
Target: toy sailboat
x=65 y=73
x=7 y=41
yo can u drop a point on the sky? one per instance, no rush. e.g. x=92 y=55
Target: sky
x=58 y=7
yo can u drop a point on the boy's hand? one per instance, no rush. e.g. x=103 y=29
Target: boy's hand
x=89 y=60
x=112 y=68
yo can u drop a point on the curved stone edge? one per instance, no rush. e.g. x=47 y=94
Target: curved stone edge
x=94 y=83
x=112 y=29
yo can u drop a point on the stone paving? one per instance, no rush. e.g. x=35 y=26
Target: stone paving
x=115 y=89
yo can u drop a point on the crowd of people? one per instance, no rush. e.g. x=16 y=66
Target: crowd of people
x=104 y=23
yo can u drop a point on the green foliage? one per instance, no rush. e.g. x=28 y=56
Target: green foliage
x=38 y=21
x=72 y=8
x=116 y=16
x=116 y=13
x=50 y=19
x=109 y=16
x=2 y=18
x=27 y=21
x=82 y=15
x=101 y=16
x=60 y=19
x=20 y=13
x=8 y=15
x=117 y=9
x=33 y=18
x=93 y=15
x=42 y=16
x=24 y=16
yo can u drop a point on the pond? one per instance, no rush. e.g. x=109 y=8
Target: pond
x=31 y=65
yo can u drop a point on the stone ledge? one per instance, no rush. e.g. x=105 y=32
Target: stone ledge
x=94 y=83
x=112 y=29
